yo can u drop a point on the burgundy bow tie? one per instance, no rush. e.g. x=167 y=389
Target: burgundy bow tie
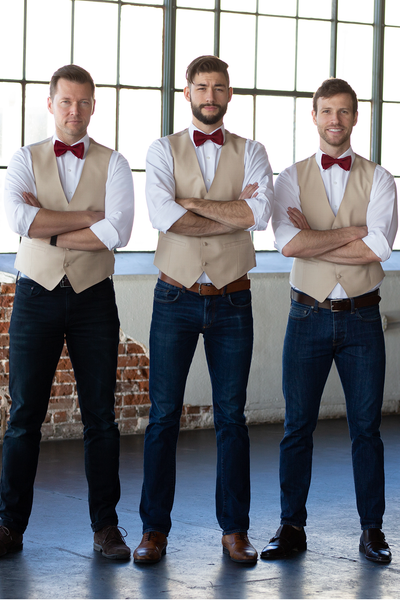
x=60 y=148
x=199 y=137
x=327 y=161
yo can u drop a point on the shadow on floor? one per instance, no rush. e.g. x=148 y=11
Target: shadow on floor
x=58 y=560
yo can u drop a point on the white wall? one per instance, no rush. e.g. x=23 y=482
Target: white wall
x=270 y=307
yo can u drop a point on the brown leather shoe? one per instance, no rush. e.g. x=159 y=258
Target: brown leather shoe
x=111 y=543
x=152 y=547
x=374 y=546
x=10 y=540
x=238 y=547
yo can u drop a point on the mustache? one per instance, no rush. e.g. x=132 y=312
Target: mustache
x=208 y=104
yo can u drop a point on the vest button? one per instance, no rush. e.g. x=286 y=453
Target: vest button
x=205 y=244
x=203 y=263
x=66 y=265
x=338 y=276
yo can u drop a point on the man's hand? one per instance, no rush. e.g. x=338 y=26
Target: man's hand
x=31 y=199
x=297 y=218
x=250 y=191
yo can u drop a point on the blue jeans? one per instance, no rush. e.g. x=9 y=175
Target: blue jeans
x=354 y=340
x=226 y=323
x=39 y=322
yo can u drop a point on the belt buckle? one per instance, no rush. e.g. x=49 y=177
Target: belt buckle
x=333 y=309
x=65 y=282
x=200 y=284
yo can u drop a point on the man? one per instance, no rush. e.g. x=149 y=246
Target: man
x=71 y=200
x=336 y=214
x=197 y=183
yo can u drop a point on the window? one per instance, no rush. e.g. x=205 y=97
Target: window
x=137 y=52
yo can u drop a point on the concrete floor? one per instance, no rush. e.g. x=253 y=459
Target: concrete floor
x=58 y=560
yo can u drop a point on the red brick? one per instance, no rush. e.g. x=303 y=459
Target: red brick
x=64 y=351
x=128 y=426
x=144 y=361
x=130 y=374
x=128 y=412
x=4 y=340
x=6 y=300
x=61 y=390
x=143 y=386
x=133 y=348
x=192 y=410
x=7 y=288
x=3 y=380
x=64 y=364
x=128 y=361
x=4 y=325
x=64 y=377
x=64 y=404
x=60 y=417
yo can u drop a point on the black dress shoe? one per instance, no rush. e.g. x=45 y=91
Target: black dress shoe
x=286 y=540
x=374 y=546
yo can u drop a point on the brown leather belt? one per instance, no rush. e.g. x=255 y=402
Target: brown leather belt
x=337 y=305
x=207 y=289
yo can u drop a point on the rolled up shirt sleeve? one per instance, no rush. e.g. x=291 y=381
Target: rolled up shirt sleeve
x=115 y=229
x=258 y=170
x=382 y=218
x=287 y=194
x=160 y=186
x=19 y=179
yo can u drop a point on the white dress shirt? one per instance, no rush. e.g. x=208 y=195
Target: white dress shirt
x=381 y=212
x=160 y=182
x=114 y=230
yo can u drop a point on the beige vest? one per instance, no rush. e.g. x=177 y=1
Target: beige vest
x=48 y=264
x=317 y=278
x=223 y=258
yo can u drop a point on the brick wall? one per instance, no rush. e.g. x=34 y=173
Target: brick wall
x=131 y=396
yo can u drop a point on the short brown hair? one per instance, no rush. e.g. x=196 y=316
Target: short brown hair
x=71 y=73
x=206 y=64
x=332 y=86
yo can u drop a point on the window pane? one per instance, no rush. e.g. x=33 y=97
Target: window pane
x=182 y=113
x=160 y=2
x=239 y=5
x=392 y=12
x=102 y=123
x=10 y=120
x=144 y=238
x=9 y=241
x=140 y=124
x=95 y=47
x=274 y=129
x=39 y=123
x=239 y=56
x=239 y=118
x=316 y=9
x=272 y=7
x=358 y=73
x=361 y=136
x=196 y=3
x=189 y=46
x=356 y=10
x=307 y=140
x=312 y=66
x=11 y=38
x=391 y=79
x=390 y=138
x=46 y=52
x=277 y=38
x=141 y=54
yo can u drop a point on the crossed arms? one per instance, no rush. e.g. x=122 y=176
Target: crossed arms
x=348 y=245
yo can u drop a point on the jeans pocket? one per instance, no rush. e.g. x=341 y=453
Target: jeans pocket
x=27 y=288
x=369 y=314
x=166 y=296
x=299 y=311
x=240 y=299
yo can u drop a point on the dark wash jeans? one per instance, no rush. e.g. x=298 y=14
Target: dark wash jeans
x=354 y=340
x=226 y=323
x=39 y=322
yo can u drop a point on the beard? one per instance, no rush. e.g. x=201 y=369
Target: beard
x=208 y=119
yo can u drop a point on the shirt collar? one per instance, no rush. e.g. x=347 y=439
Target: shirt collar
x=192 y=129
x=349 y=152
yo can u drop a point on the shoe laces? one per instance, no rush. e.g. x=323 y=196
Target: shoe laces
x=115 y=532
x=6 y=530
x=149 y=535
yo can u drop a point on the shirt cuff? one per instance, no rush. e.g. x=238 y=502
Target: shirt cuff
x=283 y=235
x=106 y=234
x=376 y=241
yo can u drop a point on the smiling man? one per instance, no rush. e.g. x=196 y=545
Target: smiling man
x=206 y=190
x=336 y=213
x=71 y=201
